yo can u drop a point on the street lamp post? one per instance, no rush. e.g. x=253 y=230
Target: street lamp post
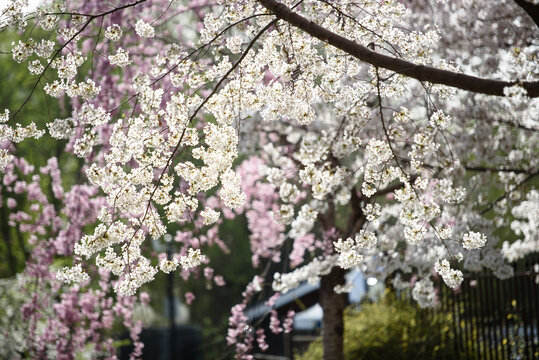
x=170 y=294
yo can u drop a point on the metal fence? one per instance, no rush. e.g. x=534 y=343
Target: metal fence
x=495 y=319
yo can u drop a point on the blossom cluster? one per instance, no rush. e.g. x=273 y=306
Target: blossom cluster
x=453 y=278
x=310 y=272
x=350 y=249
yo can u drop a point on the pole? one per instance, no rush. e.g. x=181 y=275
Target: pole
x=171 y=314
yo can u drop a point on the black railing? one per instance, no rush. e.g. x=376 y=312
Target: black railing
x=492 y=318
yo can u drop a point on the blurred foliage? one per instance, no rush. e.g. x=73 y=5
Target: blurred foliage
x=17 y=83
x=394 y=328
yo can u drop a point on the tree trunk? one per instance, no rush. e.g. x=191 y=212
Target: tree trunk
x=332 y=322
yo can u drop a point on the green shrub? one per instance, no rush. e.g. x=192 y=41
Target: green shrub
x=393 y=329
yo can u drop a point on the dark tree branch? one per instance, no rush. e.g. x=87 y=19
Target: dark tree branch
x=531 y=9
x=516 y=125
x=494 y=169
x=418 y=72
x=64 y=45
x=399 y=185
x=356 y=213
x=192 y=117
x=479 y=168
x=392 y=188
x=504 y=195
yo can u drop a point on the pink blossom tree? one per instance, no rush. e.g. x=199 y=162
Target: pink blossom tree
x=375 y=133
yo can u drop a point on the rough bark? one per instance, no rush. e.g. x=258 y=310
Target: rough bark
x=333 y=305
x=418 y=72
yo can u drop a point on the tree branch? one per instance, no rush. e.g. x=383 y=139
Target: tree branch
x=418 y=72
x=531 y=9
x=59 y=50
x=504 y=195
